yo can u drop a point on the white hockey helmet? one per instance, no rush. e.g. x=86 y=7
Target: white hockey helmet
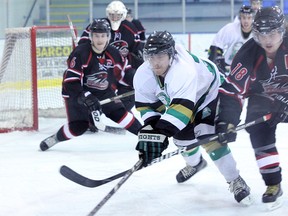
x=116 y=13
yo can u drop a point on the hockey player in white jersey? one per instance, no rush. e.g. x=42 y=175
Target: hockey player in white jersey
x=255 y=5
x=177 y=93
x=230 y=38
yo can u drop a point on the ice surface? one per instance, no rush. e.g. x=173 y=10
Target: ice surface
x=31 y=185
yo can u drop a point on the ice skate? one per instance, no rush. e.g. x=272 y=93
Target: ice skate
x=48 y=142
x=241 y=191
x=188 y=171
x=272 y=197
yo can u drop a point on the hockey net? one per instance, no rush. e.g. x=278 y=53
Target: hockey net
x=33 y=62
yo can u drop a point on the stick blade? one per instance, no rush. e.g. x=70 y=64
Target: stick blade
x=77 y=178
x=115 y=130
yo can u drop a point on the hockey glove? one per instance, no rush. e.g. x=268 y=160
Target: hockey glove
x=89 y=100
x=279 y=113
x=221 y=65
x=226 y=132
x=151 y=144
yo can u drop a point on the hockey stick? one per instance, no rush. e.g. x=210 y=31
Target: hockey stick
x=87 y=182
x=96 y=116
x=127 y=175
x=74 y=38
x=99 y=125
x=108 y=100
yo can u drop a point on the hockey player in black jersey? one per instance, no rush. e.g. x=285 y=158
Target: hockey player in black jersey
x=94 y=69
x=138 y=24
x=259 y=72
x=124 y=34
x=125 y=38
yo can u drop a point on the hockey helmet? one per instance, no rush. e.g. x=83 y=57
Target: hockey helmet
x=268 y=19
x=245 y=9
x=116 y=13
x=159 y=42
x=100 y=26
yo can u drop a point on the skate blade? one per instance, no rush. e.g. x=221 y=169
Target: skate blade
x=274 y=205
x=247 y=201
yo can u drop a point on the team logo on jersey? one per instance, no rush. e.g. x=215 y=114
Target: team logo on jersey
x=122 y=46
x=164 y=98
x=206 y=112
x=276 y=83
x=98 y=81
x=235 y=49
x=106 y=66
x=117 y=36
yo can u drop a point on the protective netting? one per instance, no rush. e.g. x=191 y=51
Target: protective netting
x=23 y=101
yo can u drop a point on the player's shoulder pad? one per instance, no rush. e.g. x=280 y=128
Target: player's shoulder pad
x=128 y=25
x=248 y=49
x=113 y=51
x=82 y=49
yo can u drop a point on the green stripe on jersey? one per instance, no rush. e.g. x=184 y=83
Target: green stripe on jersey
x=180 y=112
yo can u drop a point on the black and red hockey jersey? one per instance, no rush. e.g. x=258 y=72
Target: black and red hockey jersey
x=126 y=39
x=252 y=74
x=97 y=73
x=140 y=29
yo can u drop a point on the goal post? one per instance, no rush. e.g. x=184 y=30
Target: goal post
x=32 y=66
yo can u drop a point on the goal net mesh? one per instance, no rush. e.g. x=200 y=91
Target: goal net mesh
x=32 y=66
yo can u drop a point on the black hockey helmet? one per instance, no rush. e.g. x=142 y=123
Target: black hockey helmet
x=159 y=41
x=246 y=9
x=268 y=19
x=100 y=26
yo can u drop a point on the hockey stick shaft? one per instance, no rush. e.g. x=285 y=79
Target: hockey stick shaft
x=208 y=139
x=116 y=187
x=73 y=34
x=108 y=100
x=84 y=181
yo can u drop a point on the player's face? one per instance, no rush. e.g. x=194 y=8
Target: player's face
x=115 y=17
x=159 y=63
x=246 y=22
x=255 y=5
x=270 y=42
x=129 y=18
x=115 y=20
x=99 y=41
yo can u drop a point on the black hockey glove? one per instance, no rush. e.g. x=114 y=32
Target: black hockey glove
x=221 y=65
x=215 y=54
x=279 y=113
x=226 y=132
x=89 y=100
x=151 y=144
